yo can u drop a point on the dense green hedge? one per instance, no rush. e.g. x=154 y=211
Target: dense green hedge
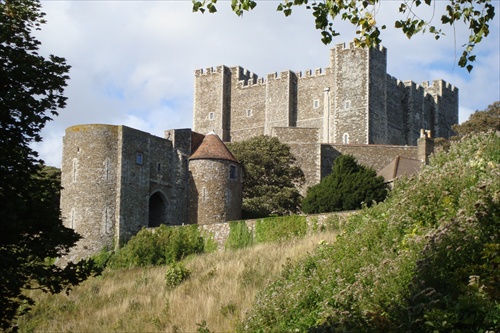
x=425 y=260
x=239 y=236
x=268 y=229
x=281 y=228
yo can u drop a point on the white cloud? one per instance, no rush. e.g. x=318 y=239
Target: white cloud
x=133 y=61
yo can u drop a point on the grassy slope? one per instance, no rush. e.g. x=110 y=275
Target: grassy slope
x=221 y=288
x=425 y=260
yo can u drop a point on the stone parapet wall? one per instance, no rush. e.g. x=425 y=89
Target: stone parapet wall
x=220 y=231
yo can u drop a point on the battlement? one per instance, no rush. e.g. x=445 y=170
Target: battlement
x=393 y=81
x=211 y=70
x=414 y=86
x=352 y=45
x=247 y=78
x=309 y=73
x=243 y=74
x=440 y=86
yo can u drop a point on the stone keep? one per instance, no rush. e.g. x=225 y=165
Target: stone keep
x=117 y=180
x=351 y=102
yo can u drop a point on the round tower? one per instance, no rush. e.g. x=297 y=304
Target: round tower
x=89 y=185
x=215 y=192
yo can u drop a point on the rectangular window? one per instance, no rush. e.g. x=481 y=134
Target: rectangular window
x=347 y=105
x=139 y=158
x=316 y=103
x=249 y=112
x=211 y=116
x=232 y=172
x=158 y=167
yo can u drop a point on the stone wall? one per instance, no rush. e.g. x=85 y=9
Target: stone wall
x=220 y=231
x=377 y=98
x=303 y=143
x=351 y=68
x=248 y=105
x=212 y=101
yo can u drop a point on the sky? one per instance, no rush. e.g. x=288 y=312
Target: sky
x=133 y=62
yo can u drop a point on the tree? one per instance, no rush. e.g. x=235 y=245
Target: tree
x=346 y=188
x=271 y=177
x=480 y=121
x=31 y=91
x=476 y=15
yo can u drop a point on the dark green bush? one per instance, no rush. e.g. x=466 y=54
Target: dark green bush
x=346 y=188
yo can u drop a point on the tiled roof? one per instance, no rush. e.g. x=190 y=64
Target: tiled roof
x=400 y=166
x=213 y=148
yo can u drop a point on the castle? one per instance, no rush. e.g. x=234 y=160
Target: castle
x=117 y=180
x=350 y=107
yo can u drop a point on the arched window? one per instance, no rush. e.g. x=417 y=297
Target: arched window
x=345 y=138
x=156 y=210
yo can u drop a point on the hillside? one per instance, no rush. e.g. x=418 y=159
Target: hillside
x=220 y=290
x=425 y=260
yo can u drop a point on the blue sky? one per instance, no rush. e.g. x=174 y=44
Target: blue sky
x=133 y=62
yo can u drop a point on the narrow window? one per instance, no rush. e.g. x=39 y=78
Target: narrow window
x=316 y=103
x=107 y=169
x=211 y=116
x=204 y=195
x=347 y=105
x=232 y=172
x=345 y=138
x=75 y=169
x=249 y=113
x=158 y=167
x=139 y=158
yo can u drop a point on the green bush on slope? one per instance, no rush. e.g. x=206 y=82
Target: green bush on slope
x=426 y=259
x=163 y=245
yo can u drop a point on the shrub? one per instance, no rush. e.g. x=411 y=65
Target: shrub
x=346 y=188
x=176 y=274
x=159 y=246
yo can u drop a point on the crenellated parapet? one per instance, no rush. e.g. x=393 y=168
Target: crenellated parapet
x=211 y=70
x=394 y=81
x=309 y=73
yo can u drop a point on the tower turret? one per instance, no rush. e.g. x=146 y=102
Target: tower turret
x=215 y=192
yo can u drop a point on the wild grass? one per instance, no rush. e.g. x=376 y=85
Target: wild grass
x=217 y=294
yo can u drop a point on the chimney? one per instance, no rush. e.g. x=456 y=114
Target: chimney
x=425 y=146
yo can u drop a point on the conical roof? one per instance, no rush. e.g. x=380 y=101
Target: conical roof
x=213 y=148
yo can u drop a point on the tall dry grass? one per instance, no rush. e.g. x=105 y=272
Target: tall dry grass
x=222 y=286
